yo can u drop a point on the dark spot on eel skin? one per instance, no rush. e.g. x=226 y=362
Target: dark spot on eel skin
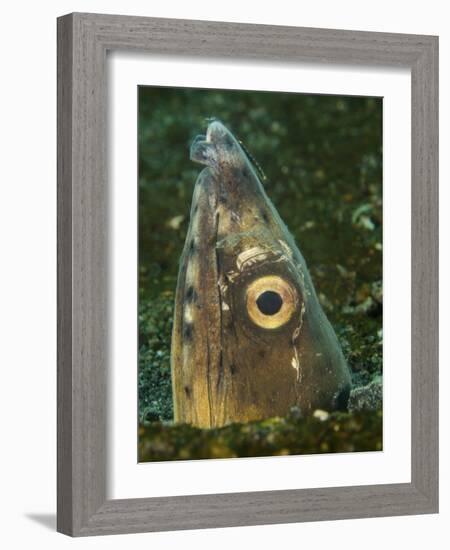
x=233 y=368
x=192 y=247
x=342 y=399
x=187 y=391
x=245 y=172
x=264 y=216
x=188 y=330
x=261 y=353
x=238 y=173
x=191 y=294
x=228 y=141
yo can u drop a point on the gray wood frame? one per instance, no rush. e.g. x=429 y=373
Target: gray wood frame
x=83 y=40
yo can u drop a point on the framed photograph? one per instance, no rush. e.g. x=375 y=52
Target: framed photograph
x=234 y=331
x=247 y=274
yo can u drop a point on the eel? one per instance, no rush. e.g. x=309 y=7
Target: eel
x=250 y=339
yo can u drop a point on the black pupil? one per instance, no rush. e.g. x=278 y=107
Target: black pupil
x=269 y=302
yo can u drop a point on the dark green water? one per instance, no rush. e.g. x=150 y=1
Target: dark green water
x=322 y=157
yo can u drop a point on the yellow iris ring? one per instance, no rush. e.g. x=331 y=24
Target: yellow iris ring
x=276 y=284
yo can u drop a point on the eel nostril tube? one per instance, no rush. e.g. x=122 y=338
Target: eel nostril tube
x=200 y=150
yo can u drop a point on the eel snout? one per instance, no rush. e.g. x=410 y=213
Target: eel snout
x=217 y=149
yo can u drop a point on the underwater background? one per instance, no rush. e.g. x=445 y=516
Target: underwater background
x=322 y=160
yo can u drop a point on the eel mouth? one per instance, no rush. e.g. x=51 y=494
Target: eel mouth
x=218 y=145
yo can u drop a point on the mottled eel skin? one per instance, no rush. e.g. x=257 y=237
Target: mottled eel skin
x=250 y=339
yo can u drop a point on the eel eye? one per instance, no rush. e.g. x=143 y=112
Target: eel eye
x=270 y=301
